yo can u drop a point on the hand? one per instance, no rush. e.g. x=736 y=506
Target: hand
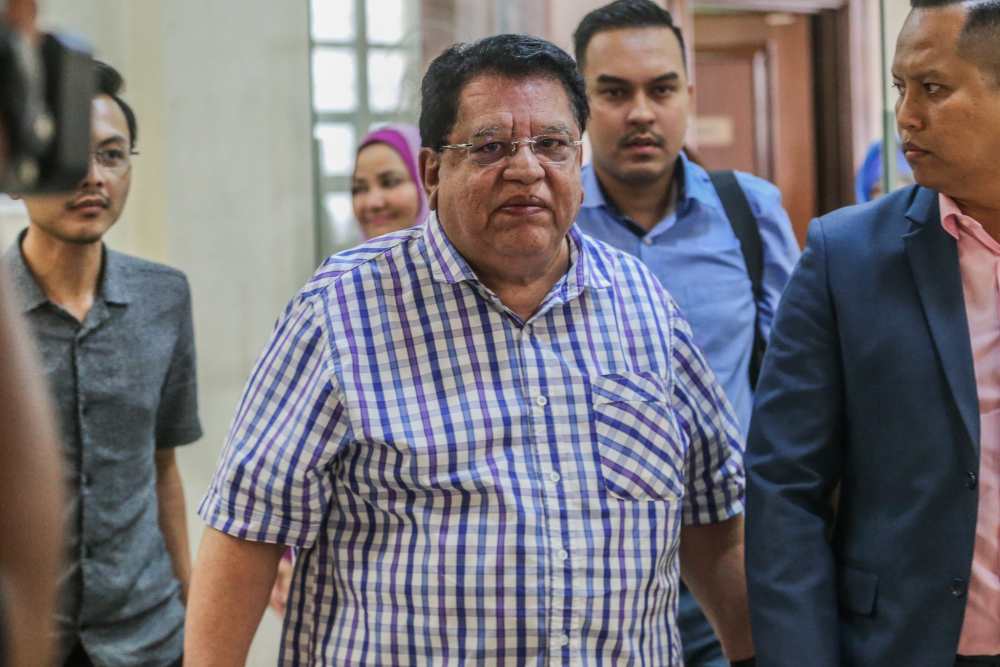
x=282 y=584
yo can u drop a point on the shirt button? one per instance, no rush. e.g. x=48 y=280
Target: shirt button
x=647 y=241
x=541 y=401
x=562 y=640
x=563 y=554
x=958 y=587
x=554 y=476
x=971 y=480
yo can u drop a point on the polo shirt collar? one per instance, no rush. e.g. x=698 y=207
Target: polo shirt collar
x=113 y=281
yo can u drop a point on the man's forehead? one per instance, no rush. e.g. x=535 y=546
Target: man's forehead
x=500 y=124
x=631 y=46
x=929 y=33
x=108 y=121
x=495 y=103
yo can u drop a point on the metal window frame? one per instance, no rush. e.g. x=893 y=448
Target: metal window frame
x=362 y=117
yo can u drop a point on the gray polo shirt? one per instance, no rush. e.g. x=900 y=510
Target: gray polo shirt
x=124 y=385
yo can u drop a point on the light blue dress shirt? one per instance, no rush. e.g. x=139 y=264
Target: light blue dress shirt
x=695 y=254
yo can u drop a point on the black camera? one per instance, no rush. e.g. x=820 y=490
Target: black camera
x=46 y=88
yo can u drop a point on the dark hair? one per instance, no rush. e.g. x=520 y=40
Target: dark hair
x=514 y=56
x=979 y=41
x=624 y=14
x=111 y=83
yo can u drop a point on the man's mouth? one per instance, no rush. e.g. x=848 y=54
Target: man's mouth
x=88 y=204
x=642 y=141
x=912 y=150
x=523 y=206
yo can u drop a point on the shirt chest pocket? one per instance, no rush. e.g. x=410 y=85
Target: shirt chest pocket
x=640 y=452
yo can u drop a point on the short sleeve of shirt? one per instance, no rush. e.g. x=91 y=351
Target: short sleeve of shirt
x=715 y=477
x=274 y=482
x=177 y=420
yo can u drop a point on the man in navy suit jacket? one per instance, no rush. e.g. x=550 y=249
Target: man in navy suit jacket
x=874 y=451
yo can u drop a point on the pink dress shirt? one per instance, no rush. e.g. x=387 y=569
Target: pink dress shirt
x=979 y=263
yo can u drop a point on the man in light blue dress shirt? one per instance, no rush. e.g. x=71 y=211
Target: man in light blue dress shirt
x=643 y=195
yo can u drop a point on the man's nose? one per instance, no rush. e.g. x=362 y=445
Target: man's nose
x=641 y=111
x=909 y=114
x=523 y=165
x=95 y=175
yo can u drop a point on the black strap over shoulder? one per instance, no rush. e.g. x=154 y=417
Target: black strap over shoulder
x=744 y=224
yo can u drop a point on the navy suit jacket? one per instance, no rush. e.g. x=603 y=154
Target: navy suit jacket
x=868 y=383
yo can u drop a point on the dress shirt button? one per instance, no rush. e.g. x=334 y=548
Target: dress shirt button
x=562 y=640
x=971 y=480
x=648 y=240
x=563 y=554
x=554 y=476
x=958 y=587
x=541 y=401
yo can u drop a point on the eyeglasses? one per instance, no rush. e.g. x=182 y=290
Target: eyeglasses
x=548 y=148
x=115 y=160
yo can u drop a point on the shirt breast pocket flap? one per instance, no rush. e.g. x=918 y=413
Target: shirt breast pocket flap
x=638 y=446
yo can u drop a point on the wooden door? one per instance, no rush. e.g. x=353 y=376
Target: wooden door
x=754 y=102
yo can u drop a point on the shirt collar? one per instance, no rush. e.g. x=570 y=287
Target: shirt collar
x=113 y=286
x=950 y=214
x=114 y=281
x=584 y=269
x=693 y=185
x=29 y=292
x=448 y=266
x=953 y=220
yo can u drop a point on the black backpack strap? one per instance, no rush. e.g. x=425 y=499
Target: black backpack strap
x=744 y=225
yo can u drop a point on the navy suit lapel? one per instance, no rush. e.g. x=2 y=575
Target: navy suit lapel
x=933 y=255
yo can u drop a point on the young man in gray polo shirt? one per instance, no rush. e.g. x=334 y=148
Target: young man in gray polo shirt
x=115 y=337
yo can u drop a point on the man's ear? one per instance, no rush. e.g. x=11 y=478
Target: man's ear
x=430 y=165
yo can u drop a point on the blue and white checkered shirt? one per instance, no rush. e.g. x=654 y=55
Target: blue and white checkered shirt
x=464 y=487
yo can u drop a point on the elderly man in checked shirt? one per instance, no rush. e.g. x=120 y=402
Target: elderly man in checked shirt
x=490 y=438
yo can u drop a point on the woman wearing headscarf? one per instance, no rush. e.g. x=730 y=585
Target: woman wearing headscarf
x=386 y=191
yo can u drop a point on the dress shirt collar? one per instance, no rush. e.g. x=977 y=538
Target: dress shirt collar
x=953 y=220
x=693 y=188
